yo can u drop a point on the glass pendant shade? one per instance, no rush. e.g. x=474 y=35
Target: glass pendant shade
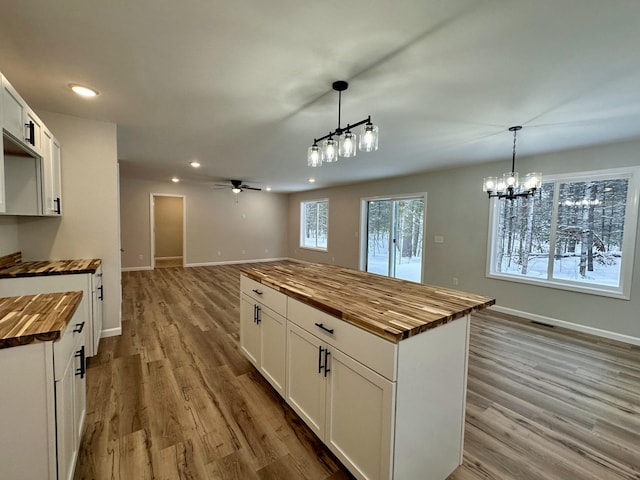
x=314 y=156
x=347 y=145
x=490 y=184
x=510 y=179
x=533 y=181
x=330 y=150
x=369 y=138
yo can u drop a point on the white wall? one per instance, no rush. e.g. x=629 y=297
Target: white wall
x=88 y=227
x=458 y=210
x=220 y=226
x=8 y=235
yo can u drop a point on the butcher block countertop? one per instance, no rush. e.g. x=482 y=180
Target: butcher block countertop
x=390 y=308
x=14 y=267
x=35 y=318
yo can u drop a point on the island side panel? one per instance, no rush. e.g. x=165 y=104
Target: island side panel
x=430 y=401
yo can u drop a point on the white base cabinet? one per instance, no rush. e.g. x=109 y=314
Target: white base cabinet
x=386 y=410
x=91 y=304
x=43 y=407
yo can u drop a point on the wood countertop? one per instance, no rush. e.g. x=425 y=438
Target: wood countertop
x=50 y=267
x=390 y=308
x=35 y=318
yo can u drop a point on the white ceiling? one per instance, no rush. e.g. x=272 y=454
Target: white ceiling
x=244 y=86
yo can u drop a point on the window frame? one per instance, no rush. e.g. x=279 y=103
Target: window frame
x=623 y=291
x=303 y=223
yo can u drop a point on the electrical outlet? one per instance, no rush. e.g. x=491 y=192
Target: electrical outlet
x=438 y=239
x=243 y=252
x=140 y=257
x=455 y=280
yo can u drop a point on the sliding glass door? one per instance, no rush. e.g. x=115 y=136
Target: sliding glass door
x=394 y=237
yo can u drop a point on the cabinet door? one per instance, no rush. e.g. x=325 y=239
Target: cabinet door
x=249 y=331
x=79 y=397
x=13 y=111
x=33 y=131
x=306 y=384
x=56 y=176
x=96 y=308
x=359 y=417
x=65 y=430
x=48 y=207
x=273 y=339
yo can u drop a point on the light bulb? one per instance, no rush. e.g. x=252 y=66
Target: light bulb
x=347 y=145
x=329 y=150
x=369 y=138
x=314 y=156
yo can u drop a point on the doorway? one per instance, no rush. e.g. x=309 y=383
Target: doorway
x=393 y=236
x=167 y=230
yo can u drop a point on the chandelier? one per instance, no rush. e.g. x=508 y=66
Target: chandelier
x=508 y=186
x=346 y=143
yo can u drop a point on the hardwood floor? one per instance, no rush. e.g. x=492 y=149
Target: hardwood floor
x=173 y=397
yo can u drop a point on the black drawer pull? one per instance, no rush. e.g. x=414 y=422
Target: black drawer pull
x=83 y=365
x=257 y=292
x=320 y=325
x=79 y=328
x=320 y=366
x=326 y=361
x=101 y=295
x=258 y=309
x=57 y=202
x=31 y=129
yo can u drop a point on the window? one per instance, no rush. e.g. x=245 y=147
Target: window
x=314 y=224
x=576 y=233
x=393 y=236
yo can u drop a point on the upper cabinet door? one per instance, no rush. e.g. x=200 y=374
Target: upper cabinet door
x=14 y=109
x=33 y=131
x=52 y=201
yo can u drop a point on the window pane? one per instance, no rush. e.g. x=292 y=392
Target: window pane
x=378 y=223
x=314 y=224
x=310 y=231
x=522 y=243
x=590 y=229
x=322 y=224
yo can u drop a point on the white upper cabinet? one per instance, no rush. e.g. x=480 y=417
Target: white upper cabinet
x=51 y=180
x=14 y=111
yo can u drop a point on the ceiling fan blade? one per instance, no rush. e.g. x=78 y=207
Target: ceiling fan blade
x=245 y=187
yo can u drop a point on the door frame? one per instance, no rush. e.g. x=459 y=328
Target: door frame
x=362 y=264
x=152 y=225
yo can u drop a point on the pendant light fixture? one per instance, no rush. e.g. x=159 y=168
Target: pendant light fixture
x=345 y=144
x=508 y=186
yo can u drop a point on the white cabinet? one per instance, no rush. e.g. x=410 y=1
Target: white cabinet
x=386 y=410
x=349 y=406
x=44 y=405
x=14 y=110
x=3 y=206
x=51 y=178
x=91 y=304
x=263 y=332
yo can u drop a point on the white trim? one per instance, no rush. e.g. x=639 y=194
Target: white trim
x=302 y=221
x=169 y=258
x=111 y=332
x=136 y=269
x=235 y=262
x=620 y=337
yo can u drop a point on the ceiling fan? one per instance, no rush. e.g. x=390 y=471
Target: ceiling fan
x=236 y=186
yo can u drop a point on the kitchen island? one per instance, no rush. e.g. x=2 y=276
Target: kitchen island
x=375 y=366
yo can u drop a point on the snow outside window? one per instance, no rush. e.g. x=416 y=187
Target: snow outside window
x=577 y=233
x=314 y=224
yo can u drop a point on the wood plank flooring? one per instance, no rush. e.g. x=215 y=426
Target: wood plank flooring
x=173 y=397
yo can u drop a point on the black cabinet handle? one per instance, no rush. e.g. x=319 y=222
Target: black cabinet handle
x=320 y=325
x=79 y=328
x=255 y=313
x=326 y=361
x=101 y=294
x=57 y=202
x=257 y=292
x=83 y=368
x=258 y=309
x=320 y=366
x=31 y=135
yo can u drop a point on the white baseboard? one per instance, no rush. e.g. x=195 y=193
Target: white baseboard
x=569 y=325
x=234 y=262
x=135 y=269
x=169 y=258
x=111 y=332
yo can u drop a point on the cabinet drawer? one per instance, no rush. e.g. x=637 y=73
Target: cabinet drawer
x=269 y=297
x=376 y=353
x=68 y=344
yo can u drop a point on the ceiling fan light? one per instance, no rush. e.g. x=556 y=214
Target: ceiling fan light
x=236 y=190
x=347 y=145
x=330 y=150
x=314 y=156
x=369 y=138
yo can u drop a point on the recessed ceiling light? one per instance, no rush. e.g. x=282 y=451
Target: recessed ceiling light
x=83 y=91
x=175 y=179
x=268 y=189
x=311 y=180
x=194 y=164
